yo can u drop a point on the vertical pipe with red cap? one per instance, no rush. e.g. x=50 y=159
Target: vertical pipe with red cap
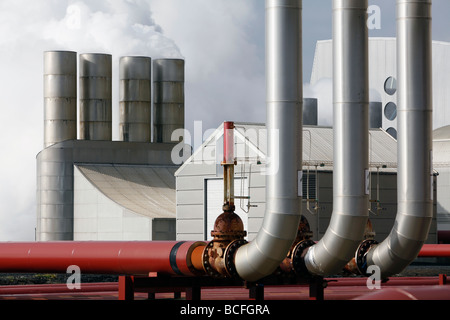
x=228 y=165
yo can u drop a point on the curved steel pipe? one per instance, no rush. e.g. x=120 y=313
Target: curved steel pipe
x=351 y=136
x=263 y=255
x=132 y=257
x=414 y=187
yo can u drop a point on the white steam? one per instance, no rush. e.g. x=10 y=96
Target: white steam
x=27 y=29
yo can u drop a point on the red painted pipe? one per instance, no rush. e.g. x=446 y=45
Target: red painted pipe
x=57 y=288
x=435 y=250
x=133 y=257
x=228 y=142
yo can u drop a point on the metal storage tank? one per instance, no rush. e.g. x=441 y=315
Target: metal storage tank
x=310 y=111
x=135 y=99
x=60 y=96
x=95 y=96
x=375 y=114
x=168 y=78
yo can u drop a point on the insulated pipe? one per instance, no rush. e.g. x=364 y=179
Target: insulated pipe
x=95 y=96
x=60 y=96
x=351 y=140
x=135 y=99
x=415 y=205
x=133 y=257
x=263 y=255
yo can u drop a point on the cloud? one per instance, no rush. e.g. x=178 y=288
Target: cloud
x=225 y=70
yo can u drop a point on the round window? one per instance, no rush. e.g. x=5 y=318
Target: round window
x=390 y=86
x=392 y=132
x=390 y=111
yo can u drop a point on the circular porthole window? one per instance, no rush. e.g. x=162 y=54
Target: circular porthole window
x=390 y=111
x=390 y=86
x=392 y=132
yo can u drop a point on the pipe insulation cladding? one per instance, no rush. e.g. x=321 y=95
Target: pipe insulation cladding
x=351 y=140
x=263 y=255
x=135 y=99
x=60 y=96
x=95 y=96
x=415 y=166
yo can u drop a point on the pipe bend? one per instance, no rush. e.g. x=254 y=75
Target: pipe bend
x=351 y=141
x=415 y=168
x=284 y=102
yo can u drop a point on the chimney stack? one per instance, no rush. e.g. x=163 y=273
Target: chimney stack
x=95 y=96
x=60 y=97
x=135 y=99
x=168 y=77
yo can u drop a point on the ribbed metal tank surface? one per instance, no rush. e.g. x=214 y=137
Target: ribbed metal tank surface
x=60 y=96
x=135 y=99
x=168 y=79
x=95 y=96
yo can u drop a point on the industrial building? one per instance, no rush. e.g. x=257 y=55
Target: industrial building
x=200 y=184
x=90 y=187
x=383 y=90
x=383 y=77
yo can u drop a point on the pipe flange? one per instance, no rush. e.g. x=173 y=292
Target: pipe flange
x=361 y=255
x=298 y=255
x=210 y=271
x=230 y=251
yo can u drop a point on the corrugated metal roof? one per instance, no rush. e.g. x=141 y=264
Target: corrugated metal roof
x=317 y=146
x=146 y=190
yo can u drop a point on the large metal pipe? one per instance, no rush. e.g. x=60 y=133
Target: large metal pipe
x=415 y=205
x=168 y=81
x=435 y=250
x=95 y=96
x=351 y=136
x=102 y=257
x=263 y=255
x=135 y=99
x=60 y=97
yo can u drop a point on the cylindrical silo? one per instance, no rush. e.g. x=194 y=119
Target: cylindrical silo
x=310 y=111
x=60 y=97
x=135 y=99
x=168 y=79
x=95 y=96
x=375 y=114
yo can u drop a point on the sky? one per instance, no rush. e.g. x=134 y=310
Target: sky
x=222 y=42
